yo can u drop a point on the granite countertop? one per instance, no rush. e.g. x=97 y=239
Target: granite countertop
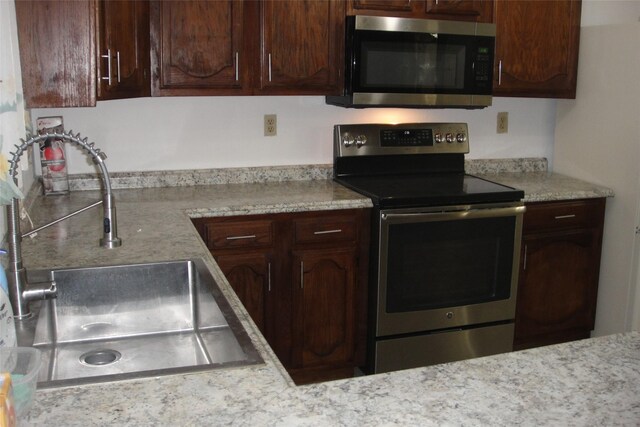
x=586 y=382
x=548 y=186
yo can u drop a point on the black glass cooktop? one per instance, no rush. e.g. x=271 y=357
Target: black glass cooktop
x=417 y=190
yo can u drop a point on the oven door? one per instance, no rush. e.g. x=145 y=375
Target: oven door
x=447 y=267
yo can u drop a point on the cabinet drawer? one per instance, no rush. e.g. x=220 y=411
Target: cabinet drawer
x=242 y=234
x=327 y=229
x=560 y=215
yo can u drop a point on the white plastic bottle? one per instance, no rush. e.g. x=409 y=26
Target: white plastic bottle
x=7 y=325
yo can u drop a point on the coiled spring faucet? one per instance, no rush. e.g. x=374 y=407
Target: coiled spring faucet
x=16 y=273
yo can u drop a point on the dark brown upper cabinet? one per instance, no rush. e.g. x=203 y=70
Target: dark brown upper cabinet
x=537 y=48
x=61 y=47
x=301 y=46
x=461 y=10
x=246 y=47
x=123 y=49
x=57 y=52
x=198 y=48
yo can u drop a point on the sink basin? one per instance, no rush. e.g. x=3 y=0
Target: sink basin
x=137 y=320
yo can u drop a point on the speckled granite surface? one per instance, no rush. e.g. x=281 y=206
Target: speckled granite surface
x=547 y=186
x=591 y=382
x=528 y=174
x=586 y=383
x=185 y=178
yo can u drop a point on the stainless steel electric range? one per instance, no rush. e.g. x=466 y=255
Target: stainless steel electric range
x=445 y=244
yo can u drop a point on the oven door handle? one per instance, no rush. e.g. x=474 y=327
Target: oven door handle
x=453 y=214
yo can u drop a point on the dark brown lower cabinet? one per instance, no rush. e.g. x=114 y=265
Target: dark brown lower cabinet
x=324 y=310
x=302 y=278
x=560 y=266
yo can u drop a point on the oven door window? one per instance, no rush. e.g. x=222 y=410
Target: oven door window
x=437 y=264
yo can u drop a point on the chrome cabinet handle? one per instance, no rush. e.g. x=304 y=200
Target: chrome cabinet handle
x=565 y=216
x=250 y=236
x=301 y=274
x=118 y=61
x=269 y=67
x=237 y=71
x=108 y=56
x=500 y=72
x=337 y=230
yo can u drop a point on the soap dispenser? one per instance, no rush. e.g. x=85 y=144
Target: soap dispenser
x=7 y=325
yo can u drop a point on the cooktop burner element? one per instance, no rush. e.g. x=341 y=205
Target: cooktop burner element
x=408 y=165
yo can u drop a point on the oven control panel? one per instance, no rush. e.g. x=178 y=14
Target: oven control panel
x=407 y=138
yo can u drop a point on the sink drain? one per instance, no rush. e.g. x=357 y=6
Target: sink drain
x=100 y=357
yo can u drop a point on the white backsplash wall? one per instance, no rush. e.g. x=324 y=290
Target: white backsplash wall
x=216 y=132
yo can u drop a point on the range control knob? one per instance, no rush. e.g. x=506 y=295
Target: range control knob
x=461 y=137
x=348 y=139
x=450 y=138
x=360 y=140
x=439 y=138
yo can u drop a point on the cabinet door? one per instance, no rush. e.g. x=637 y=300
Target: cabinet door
x=558 y=287
x=463 y=10
x=407 y=8
x=250 y=277
x=324 y=312
x=302 y=45
x=57 y=52
x=537 y=48
x=123 y=49
x=197 y=47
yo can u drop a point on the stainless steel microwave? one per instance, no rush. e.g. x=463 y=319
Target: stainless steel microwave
x=416 y=63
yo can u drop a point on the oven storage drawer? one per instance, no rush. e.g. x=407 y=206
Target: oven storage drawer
x=430 y=349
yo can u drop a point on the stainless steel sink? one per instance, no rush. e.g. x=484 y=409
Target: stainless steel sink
x=129 y=321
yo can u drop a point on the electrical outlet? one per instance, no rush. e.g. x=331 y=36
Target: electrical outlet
x=503 y=122
x=270 y=125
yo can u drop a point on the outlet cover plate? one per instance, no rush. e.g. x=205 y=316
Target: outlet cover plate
x=270 y=125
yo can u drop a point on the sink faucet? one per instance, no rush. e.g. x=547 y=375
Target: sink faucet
x=19 y=295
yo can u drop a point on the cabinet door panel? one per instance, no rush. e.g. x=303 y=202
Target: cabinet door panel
x=463 y=10
x=197 y=44
x=558 y=283
x=124 y=35
x=383 y=5
x=324 y=309
x=300 y=52
x=57 y=52
x=537 y=47
x=250 y=278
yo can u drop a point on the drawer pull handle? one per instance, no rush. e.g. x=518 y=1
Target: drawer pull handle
x=565 y=216
x=251 y=236
x=328 y=231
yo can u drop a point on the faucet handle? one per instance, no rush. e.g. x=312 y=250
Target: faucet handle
x=110 y=237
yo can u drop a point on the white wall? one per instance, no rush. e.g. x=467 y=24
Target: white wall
x=212 y=132
x=608 y=12
x=598 y=139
